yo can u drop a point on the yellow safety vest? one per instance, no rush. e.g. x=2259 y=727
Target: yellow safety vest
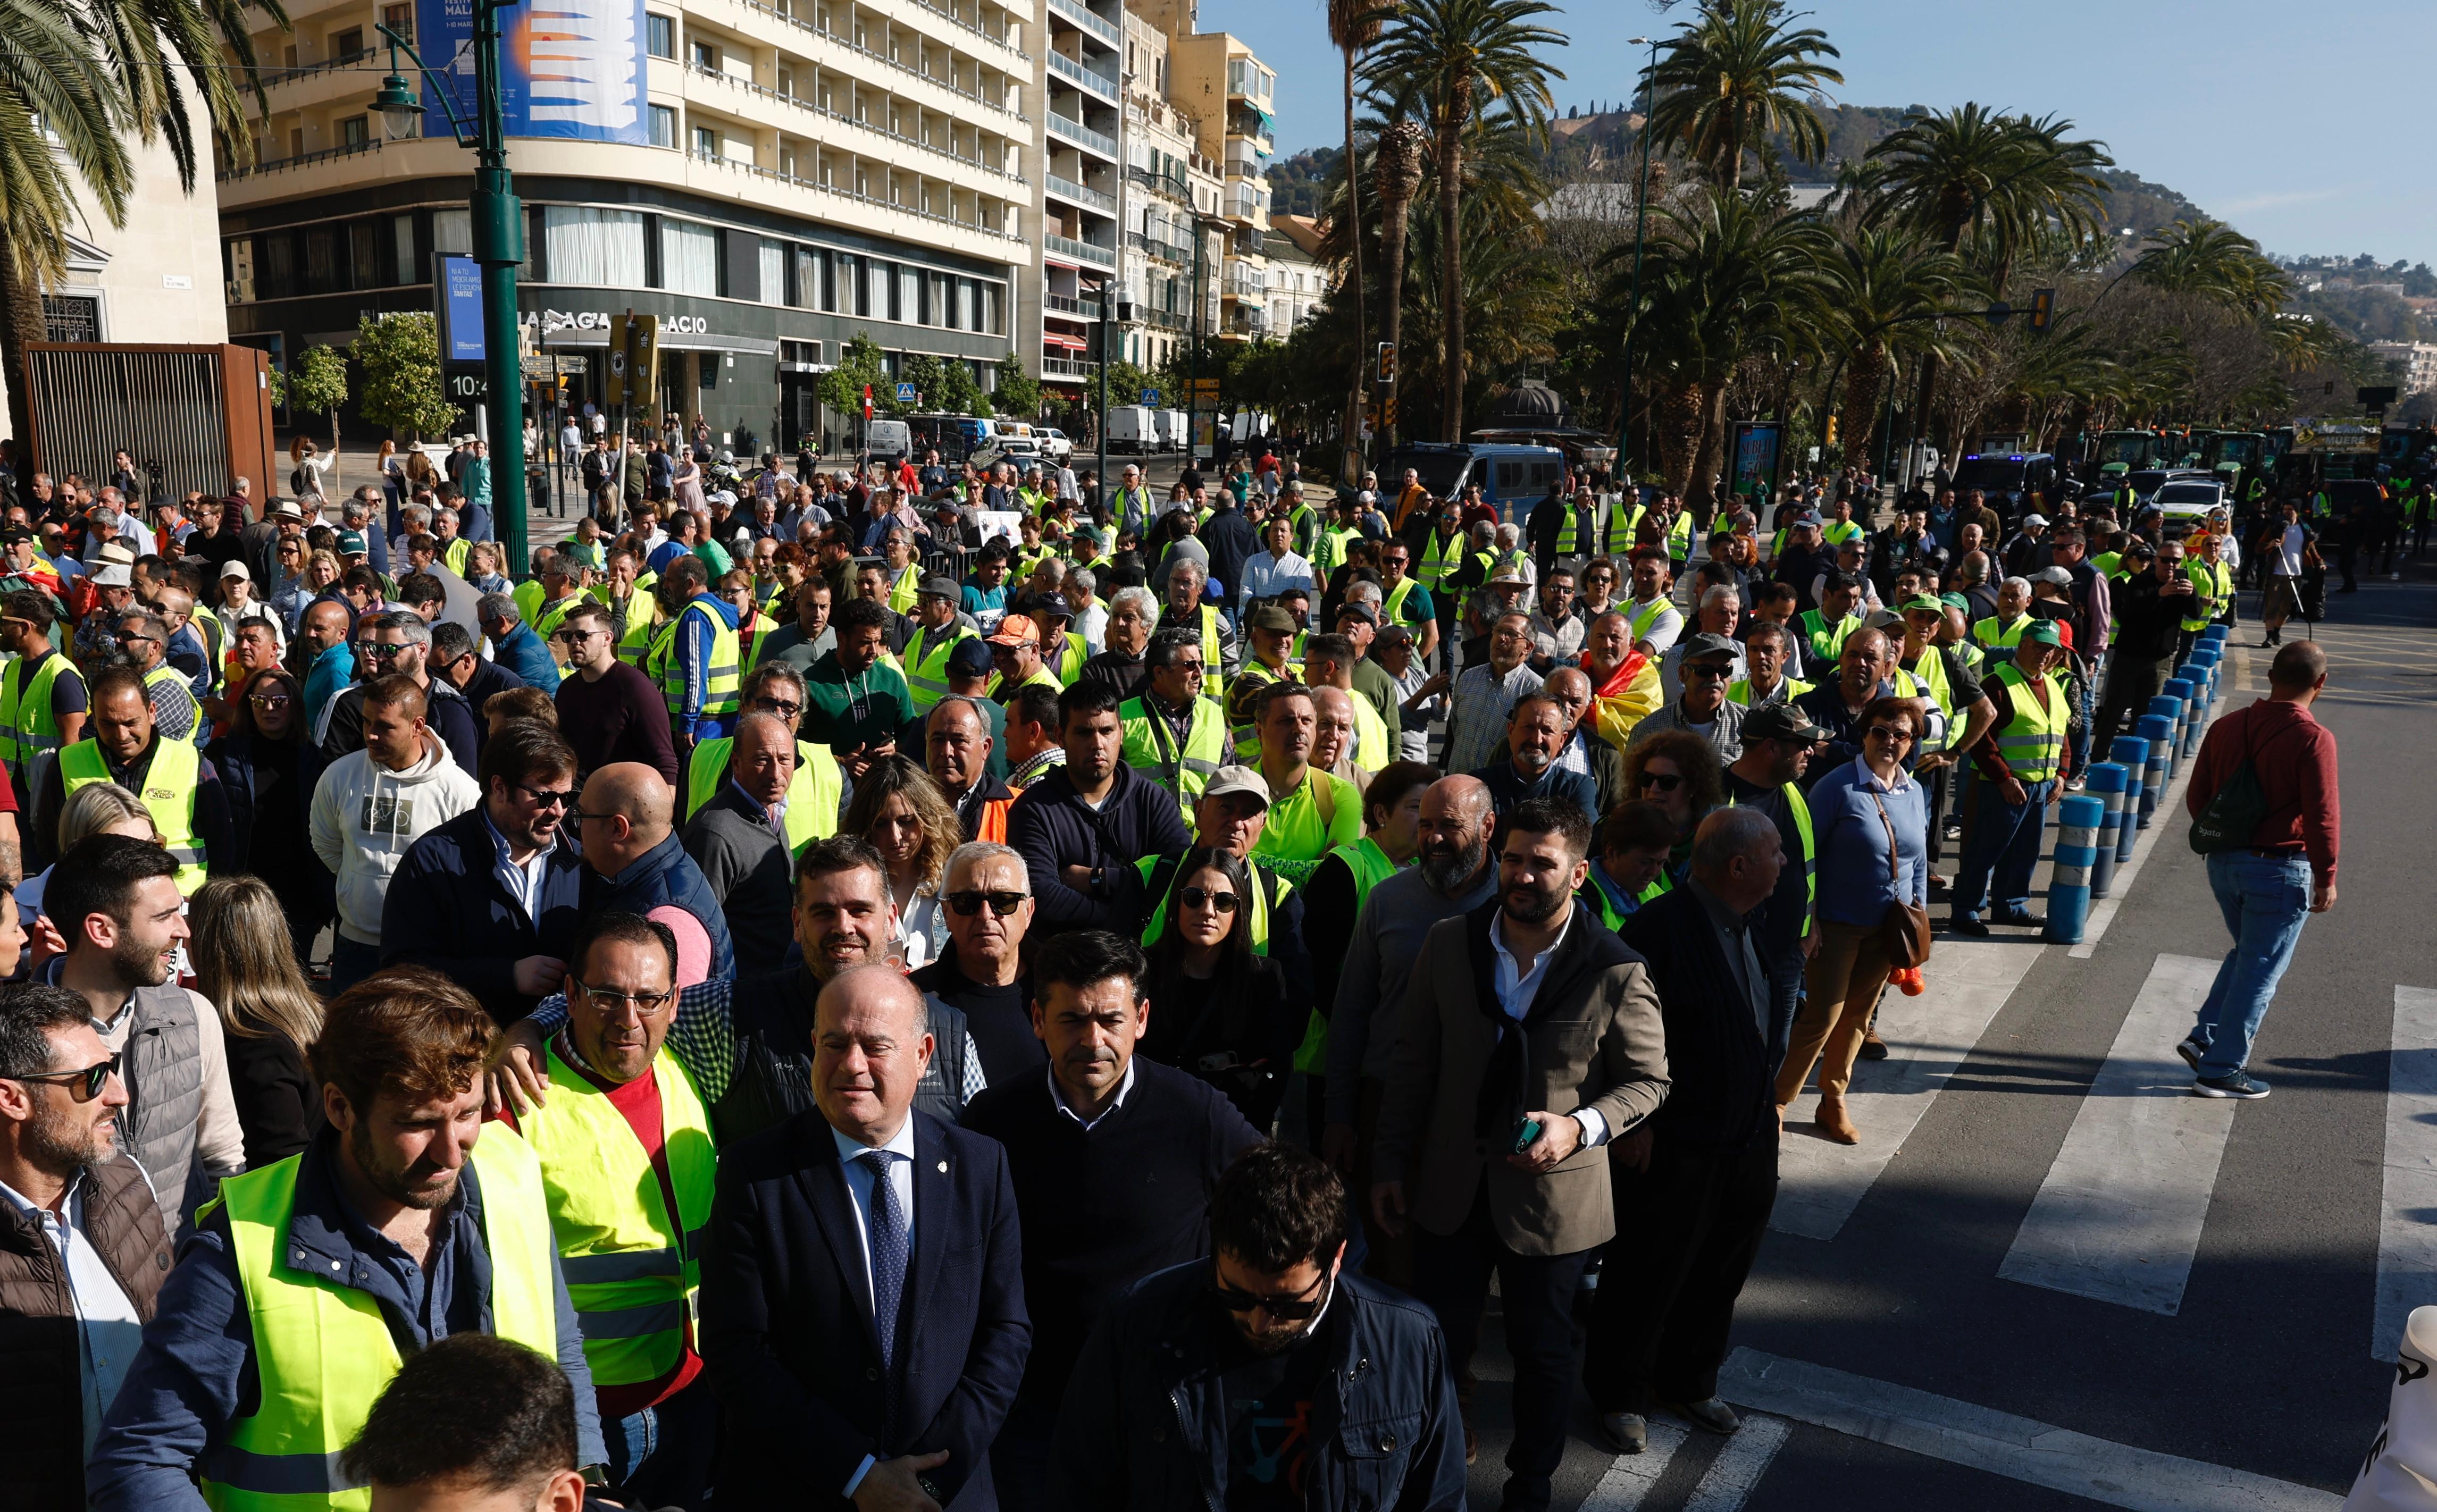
x=2032 y=742
x=927 y=663
x=168 y=796
x=1150 y=748
x=1370 y=867
x=28 y=727
x=1440 y=557
x=1739 y=692
x=1801 y=809
x=1272 y=891
x=1610 y=916
x=323 y=1350
x=643 y=621
x=721 y=682
x=1247 y=690
x=632 y=1269
x=1369 y=734
x=1392 y=612
x=1214 y=670
x=1323 y=813
x=1821 y=641
x=456 y=553
x=2212 y=590
x=1622 y=527
x=1992 y=635
x=903 y=592
x=813 y=793
x=1639 y=620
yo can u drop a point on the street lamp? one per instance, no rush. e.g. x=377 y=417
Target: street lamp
x=1640 y=219
x=499 y=247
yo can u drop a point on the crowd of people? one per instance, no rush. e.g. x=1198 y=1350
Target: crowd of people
x=933 y=986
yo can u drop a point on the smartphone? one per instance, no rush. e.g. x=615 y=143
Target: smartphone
x=1525 y=1133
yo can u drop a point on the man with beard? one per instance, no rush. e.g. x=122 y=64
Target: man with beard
x=405 y=1222
x=115 y=901
x=1113 y=1157
x=81 y=1242
x=1451 y=877
x=1494 y=1129
x=1535 y=733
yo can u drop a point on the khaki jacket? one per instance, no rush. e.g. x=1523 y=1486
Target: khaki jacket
x=1593 y=1038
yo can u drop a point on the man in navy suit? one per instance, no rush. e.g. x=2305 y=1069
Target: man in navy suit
x=863 y=1293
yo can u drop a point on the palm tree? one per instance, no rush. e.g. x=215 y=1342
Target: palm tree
x=1399 y=151
x=1738 y=75
x=1453 y=57
x=2212 y=259
x=1882 y=294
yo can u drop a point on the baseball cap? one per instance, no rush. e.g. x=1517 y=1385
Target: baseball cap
x=969 y=659
x=2035 y=520
x=1359 y=611
x=1922 y=601
x=1509 y=575
x=1053 y=603
x=1781 y=722
x=1015 y=630
x=1228 y=780
x=236 y=569
x=938 y=587
x=2044 y=631
x=2056 y=575
x=1706 y=646
x=351 y=544
x=1395 y=635
x=1956 y=600
x=1883 y=617
x=15 y=533
x=1806 y=519
x=1271 y=618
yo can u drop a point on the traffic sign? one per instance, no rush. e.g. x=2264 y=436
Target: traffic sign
x=866 y=401
x=1151 y=398
x=905 y=394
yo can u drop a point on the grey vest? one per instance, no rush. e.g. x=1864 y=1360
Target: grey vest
x=163 y=1067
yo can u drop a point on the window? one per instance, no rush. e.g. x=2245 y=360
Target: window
x=805 y=291
x=237 y=268
x=71 y=318
x=876 y=301
x=323 y=275
x=706 y=57
x=402 y=250
x=706 y=142
x=909 y=295
x=356 y=132
x=452 y=231
x=602 y=248
x=846 y=285
x=774 y=272
x=363 y=247
x=399 y=19
x=348 y=42
x=276 y=271
x=661 y=35
x=688 y=258
x=664 y=125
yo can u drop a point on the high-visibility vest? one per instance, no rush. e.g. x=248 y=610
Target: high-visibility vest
x=1995 y=637
x=1836 y=532
x=1679 y=536
x=528 y=597
x=1931 y=678
x=1329 y=553
x=550 y=616
x=1004 y=692
x=1392 y=612
x=1150 y=748
x=813 y=792
x=1371 y=750
x=324 y=1352
x=455 y=554
x=1565 y=525
x=2032 y=742
x=1974 y=657
x=1639 y=620
x=643 y=621
x=28 y=727
x=631 y=1267
x=166 y=675
x=1071 y=659
x=721 y=679
x=1800 y=807
x=1325 y=812
x=1623 y=524
x=1270 y=892
x=208 y=630
x=1613 y=913
x=2212 y=590
x=907 y=589
x=1821 y=641
x=168 y=796
x=1440 y=555
x=926 y=662
x=1214 y=670
x=750 y=630
x=1789 y=688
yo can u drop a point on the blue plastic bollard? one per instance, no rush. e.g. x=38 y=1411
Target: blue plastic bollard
x=2077 y=852
x=2197 y=720
x=2105 y=782
x=2211 y=665
x=2217 y=632
x=2131 y=753
x=2159 y=731
x=2171 y=706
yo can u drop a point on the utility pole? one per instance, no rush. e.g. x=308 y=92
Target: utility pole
x=1641 y=219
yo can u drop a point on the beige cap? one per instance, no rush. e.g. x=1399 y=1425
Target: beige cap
x=1228 y=780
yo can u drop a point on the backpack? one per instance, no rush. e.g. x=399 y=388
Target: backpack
x=2233 y=811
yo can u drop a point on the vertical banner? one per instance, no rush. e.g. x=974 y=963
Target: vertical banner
x=1752 y=468
x=567 y=68
x=461 y=308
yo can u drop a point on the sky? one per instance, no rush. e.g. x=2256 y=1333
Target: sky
x=2282 y=121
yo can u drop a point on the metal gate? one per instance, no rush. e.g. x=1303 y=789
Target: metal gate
x=193 y=417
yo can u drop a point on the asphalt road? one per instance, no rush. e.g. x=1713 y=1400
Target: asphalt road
x=2048 y=1277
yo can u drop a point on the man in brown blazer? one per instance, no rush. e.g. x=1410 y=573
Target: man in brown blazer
x=1529 y=1037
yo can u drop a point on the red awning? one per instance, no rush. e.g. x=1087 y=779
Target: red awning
x=1071 y=343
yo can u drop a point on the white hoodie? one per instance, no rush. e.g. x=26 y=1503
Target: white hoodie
x=366 y=818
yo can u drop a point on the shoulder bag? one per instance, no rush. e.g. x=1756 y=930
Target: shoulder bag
x=1905 y=931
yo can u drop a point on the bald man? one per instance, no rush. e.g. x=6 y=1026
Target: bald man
x=856 y=1353
x=1453 y=873
x=630 y=842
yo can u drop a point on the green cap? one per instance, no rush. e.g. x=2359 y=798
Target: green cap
x=1922 y=601
x=1956 y=600
x=2044 y=631
x=351 y=543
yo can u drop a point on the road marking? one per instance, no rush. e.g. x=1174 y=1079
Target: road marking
x=2406 y=1230
x=2119 y=1217
x=2002 y=1444
x=2242 y=683
x=1736 y=1472
x=1929 y=1037
x=1633 y=1476
x=2103 y=912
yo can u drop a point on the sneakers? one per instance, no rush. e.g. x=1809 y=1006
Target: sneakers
x=1971 y=927
x=2023 y=919
x=2191 y=1050
x=1626 y=1432
x=2237 y=1085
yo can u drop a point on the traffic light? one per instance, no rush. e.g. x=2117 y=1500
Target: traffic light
x=1387 y=364
x=2042 y=308
x=1832 y=431
x=1390 y=407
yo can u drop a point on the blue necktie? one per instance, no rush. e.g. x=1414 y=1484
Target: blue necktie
x=887 y=1235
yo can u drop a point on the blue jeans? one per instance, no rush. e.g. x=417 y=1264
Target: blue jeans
x=2264 y=900
x=2003 y=841
x=660 y=1457
x=351 y=962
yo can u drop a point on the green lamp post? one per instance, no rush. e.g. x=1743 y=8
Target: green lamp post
x=499 y=247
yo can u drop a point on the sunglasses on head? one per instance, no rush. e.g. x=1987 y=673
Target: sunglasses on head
x=1001 y=904
x=1663 y=781
x=83 y=1085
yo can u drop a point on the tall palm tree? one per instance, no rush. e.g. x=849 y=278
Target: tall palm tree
x=1739 y=74
x=1399 y=151
x=1881 y=294
x=1454 y=57
x=2212 y=259
x=1353 y=25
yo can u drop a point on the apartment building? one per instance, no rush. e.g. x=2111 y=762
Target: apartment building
x=1080 y=83
x=767 y=178
x=1298 y=280
x=1170 y=208
x=1228 y=92
x=2418 y=360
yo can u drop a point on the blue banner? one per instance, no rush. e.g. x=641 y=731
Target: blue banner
x=461 y=308
x=567 y=68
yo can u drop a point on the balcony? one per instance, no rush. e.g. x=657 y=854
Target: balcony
x=1081 y=136
x=1168 y=185
x=1165 y=251
x=1241 y=202
x=1075 y=11
x=276 y=165
x=1081 y=252
x=1164 y=319
x=879 y=128
x=1090 y=198
x=837 y=38
x=1067 y=305
x=1083 y=77
x=1244 y=282
x=1068 y=368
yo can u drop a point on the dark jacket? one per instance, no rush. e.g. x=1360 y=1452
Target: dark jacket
x=447 y=909
x=1232 y=542
x=445 y=712
x=1144 y=1420
x=39 y=1397
x=1051 y=827
x=489 y=678
x=767 y=1076
x=263 y=785
x=666 y=875
x=1719 y=1067
x=278 y=1102
x=748 y=868
x=788 y=1332
x=1508 y=787
x=2146 y=622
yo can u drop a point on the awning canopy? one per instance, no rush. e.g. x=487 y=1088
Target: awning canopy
x=1072 y=344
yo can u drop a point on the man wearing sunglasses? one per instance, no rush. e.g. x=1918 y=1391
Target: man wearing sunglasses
x=493 y=898
x=400 y=643
x=80 y=1240
x=609 y=711
x=1709 y=664
x=1286 y=1353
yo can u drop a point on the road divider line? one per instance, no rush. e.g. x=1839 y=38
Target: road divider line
x=1633 y=1477
x=2407 y=1228
x=2102 y=913
x=1736 y=1472
x=2119 y=1217
x=2020 y=1449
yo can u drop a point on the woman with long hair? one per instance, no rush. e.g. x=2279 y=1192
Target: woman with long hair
x=393 y=472
x=909 y=821
x=270 y=801
x=482 y=572
x=1223 y=1009
x=244 y=962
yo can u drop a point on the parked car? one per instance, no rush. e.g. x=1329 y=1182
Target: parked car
x=1055 y=443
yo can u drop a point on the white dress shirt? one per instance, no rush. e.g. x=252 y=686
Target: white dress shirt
x=1124 y=1085
x=108 y=1326
x=1515 y=988
x=858 y=1186
x=521 y=878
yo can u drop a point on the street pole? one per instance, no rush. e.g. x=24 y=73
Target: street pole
x=1640 y=219
x=500 y=246
x=1100 y=473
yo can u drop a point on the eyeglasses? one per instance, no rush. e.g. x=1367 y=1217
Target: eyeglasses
x=644 y=1003
x=1663 y=781
x=1296 y=1308
x=1888 y=732
x=1001 y=904
x=269 y=701
x=83 y=1085
x=1201 y=898
x=784 y=707
x=545 y=799
x=376 y=650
